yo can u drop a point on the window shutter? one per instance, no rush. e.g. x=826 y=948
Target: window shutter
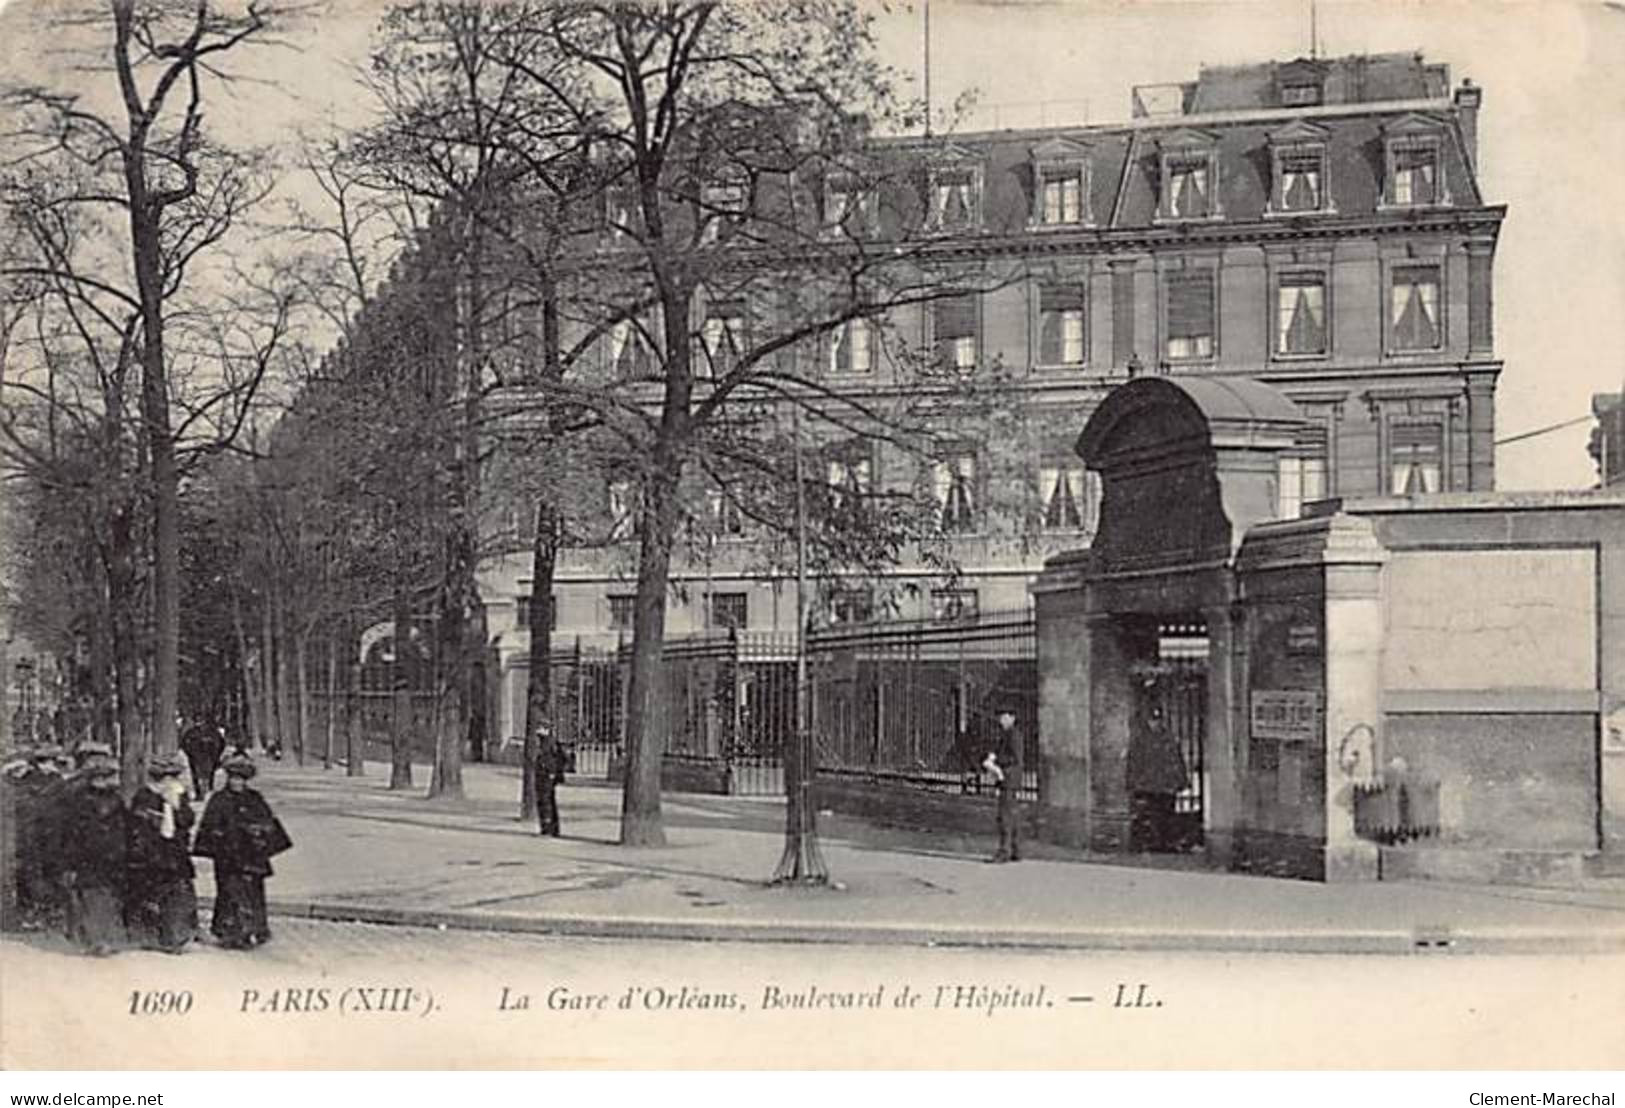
x=1060 y=298
x=1190 y=306
x=955 y=317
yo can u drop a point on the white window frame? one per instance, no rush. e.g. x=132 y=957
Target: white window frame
x=1390 y=317
x=724 y=318
x=723 y=204
x=1390 y=462
x=1291 y=278
x=1406 y=136
x=1191 y=148
x=956 y=484
x=1080 y=339
x=1052 y=472
x=851 y=220
x=622 y=507
x=945 y=177
x=859 y=336
x=967 y=349
x=1167 y=277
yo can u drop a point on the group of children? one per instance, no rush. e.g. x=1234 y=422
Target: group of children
x=113 y=872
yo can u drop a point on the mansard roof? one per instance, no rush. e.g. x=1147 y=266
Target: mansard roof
x=1356 y=151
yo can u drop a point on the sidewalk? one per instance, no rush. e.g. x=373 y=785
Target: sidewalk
x=365 y=853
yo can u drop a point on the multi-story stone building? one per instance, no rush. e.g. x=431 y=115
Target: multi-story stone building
x=1315 y=224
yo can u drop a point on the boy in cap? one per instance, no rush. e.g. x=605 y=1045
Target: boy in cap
x=241 y=834
x=1004 y=764
x=161 y=905
x=92 y=844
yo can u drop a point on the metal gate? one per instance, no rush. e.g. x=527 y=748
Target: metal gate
x=1174 y=685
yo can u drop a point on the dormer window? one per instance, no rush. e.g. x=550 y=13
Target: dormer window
x=1301 y=175
x=1414 y=152
x=1189 y=178
x=1298 y=157
x=1060 y=184
x=1416 y=174
x=1063 y=197
x=722 y=208
x=1189 y=187
x=849 y=209
x=1300 y=94
x=1300 y=83
x=954 y=200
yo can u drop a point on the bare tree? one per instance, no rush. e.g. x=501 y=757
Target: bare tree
x=159 y=195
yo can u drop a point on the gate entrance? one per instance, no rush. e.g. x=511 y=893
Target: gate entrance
x=1167 y=751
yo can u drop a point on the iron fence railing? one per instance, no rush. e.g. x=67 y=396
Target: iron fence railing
x=914 y=704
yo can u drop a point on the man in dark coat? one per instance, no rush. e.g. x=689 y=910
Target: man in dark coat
x=241 y=834
x=39 y=900
x=160 y=903
x=1004 y=762
x=549 y=776
x=92 y=843
x=13 y=775
x=1156 y=774
x=203 y=744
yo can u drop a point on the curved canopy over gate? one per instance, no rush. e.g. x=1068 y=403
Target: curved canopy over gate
x=1187 y=464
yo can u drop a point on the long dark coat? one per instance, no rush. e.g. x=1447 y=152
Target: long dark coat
x=241 y=834
x=93 y=839
x=160 y=904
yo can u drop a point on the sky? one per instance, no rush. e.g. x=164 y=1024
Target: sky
x=1552 y=134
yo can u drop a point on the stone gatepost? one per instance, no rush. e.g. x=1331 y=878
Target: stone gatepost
x=1064 y=699
x=1311 y=675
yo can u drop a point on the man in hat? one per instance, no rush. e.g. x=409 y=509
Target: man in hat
x=92 y=844
x=161 y=905
x=1004 y=764
x=39 y=897
x=203 y=743
x=241 y=834
x=57 y=798
x=549 y=776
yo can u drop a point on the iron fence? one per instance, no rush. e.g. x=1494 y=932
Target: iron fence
x=915 y=704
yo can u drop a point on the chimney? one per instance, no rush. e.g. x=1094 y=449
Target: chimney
x=1468 y=98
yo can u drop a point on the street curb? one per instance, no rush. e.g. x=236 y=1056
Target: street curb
x=1374 y=941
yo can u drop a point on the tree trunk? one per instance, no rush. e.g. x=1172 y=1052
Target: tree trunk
x=147 y=259
x=451 y=668
x=544 y=557
x=355 y=759
x=273 y=716
x=123 y=597
x=287 y=697
x=646 y=708
x=478 y=685
x=330 y=728
x=301 y=661
x=102 y=728
x=253 y=711
x=400 y=727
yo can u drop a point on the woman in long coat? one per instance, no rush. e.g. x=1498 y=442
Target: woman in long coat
x=160 y=903
x=241 y=834
x=93 y=843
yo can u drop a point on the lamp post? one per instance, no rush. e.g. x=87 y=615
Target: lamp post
x=802 y=863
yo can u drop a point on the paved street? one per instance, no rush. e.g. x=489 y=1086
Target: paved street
x=358 y=996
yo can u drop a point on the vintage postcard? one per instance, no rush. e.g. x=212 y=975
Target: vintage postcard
x=811 y=534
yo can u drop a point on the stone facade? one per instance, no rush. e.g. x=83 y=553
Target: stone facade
x=1316 y=224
